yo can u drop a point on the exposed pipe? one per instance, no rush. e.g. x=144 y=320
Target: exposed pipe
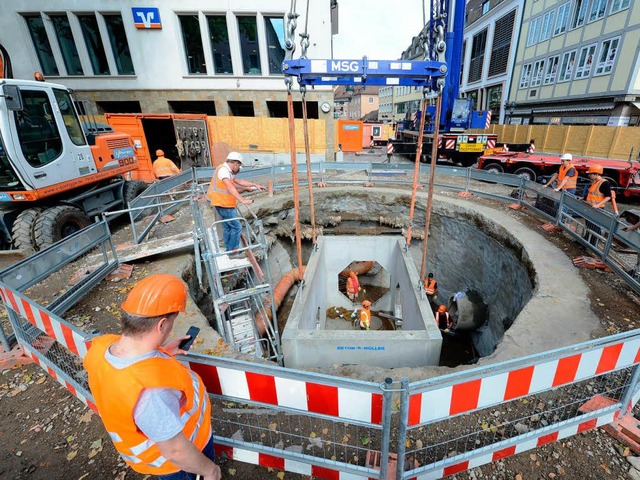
x=294 y=178
x=279 y=292
x=359 y=268
x=416 y=168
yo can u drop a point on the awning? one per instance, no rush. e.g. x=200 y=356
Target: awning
x=585 y=107
x=521 y=111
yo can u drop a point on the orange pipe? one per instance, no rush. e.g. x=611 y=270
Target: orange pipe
x=360 y=268
x=279 y=292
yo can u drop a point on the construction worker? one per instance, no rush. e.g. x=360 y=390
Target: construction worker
x=567 y=176
x=353 y=286
x=224 y=194
x=532 y=147
x=389 y=150
x=443 y=319
x=156 y=410
x=431 y=287
x=598 y=194
x=163 y=167
x=365 y=316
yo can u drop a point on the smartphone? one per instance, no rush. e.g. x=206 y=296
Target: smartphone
x=187 y=342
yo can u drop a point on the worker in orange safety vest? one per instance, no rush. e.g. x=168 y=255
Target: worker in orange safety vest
x=353 y=286
x=567 y=176
x=431 y=287
x=443 y=319
x=155 y=409
x=365 y=316
x=163 y=167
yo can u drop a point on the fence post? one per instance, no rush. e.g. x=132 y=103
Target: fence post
x=560 y=207
x=403 y=420
x=523 y=183
x=468 y=180
x=386 y=427
x=628 y=394
x=607 y=245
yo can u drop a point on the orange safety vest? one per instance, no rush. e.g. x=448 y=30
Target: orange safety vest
x=163 y=167
x=430 y=287
x=365 y=318
x=116 y=392
x=218 y=194
x=447 y=321
x=353 y=285
x=593 y=194
x=572 y=182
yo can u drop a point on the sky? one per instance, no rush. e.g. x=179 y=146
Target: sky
x=379 y=29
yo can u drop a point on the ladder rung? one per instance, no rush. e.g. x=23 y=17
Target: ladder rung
x=235 y=313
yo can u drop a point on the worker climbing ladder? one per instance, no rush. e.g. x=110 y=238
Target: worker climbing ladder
x=241 y=293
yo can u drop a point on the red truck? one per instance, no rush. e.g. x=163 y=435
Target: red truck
x=623 y=175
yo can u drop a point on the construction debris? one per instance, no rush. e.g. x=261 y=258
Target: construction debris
x=591 y=263
x=550 y=228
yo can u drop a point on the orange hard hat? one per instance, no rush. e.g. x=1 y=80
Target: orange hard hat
x=366 y=304
x=595 y=169
x=156 y=295
x=442 y=308
x=159 y=153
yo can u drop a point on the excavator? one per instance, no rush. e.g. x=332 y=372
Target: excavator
x=54 y=176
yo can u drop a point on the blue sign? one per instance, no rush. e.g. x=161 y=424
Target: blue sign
x=4 y=197
x=146 y=17
x=125 y=152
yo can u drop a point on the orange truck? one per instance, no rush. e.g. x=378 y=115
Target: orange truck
x=54 y=177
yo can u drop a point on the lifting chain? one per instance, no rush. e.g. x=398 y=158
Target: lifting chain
x=292 y=23
x=304 y=44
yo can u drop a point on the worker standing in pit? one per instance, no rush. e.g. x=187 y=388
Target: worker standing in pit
x=431 y=288
x=224 y=194
x=163 y=167
x=567 y=176
x=353 y=286
x=443 y=319
x=156 y=411
x=365 y=316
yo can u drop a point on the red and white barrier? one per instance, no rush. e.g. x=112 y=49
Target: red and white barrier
x=491 y=143
x=443 y=402
x=450 y=143
x=287 y=465
x=488 y=122
x=312 y=397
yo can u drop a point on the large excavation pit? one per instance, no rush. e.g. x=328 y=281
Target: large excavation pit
x=313 y=339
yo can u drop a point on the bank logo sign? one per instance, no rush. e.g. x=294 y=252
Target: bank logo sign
x=146 y=17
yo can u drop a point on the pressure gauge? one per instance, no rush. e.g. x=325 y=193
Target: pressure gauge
x=325 y=107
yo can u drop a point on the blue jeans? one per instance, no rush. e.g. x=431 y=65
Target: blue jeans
x=230 y=230
x=182 y=475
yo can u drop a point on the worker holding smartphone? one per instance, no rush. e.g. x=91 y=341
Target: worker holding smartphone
x=156 y=410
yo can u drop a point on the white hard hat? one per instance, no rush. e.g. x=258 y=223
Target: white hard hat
x=566 y=156
x=234 y=157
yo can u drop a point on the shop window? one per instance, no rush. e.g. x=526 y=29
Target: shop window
x=618 y=5
x=566 y=67
x=219 y=35
x=119 y=44
x=598 y=9
x=525 y=76
x=67 y=44
x=248 y=30
x=585 y=61
x=93 y=41
x=274 y=27
x=192 y=41
x=494 y=101
x=552 y=70
x=562 y=18
x=42 y=45
x=580 y=13
x=538 y=71
x=241 y=109
x=607 y=57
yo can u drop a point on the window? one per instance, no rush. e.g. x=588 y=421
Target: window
x=477 y=56
x=598 y=8
x=69 y=117
x=501 y=44
x=192 y=41
x=247 y=28
x=92 y=40
x=119 y=44
x=579 y=13
x=607 y=57
x=37 y=130
x=42 y=45
x=525 y=76
x=494 y=101
x=67 y=44
x=274 y=27
x=241 y=108
x=219 y=36
x=618 y=5
x=566 y=67
x=552 y=70
x=547 y=25
x=538 y=69
x=561 y=19
x=585 y=61
x=534 y=31
x=485 y=8
x=370 y=99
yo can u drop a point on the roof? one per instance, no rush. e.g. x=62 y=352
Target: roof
x=341 y=91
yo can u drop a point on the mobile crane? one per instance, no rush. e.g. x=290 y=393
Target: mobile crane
x=53 y=176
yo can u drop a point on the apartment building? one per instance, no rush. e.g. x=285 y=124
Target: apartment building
x=217 y=57
x=354 y=102
x=578 y=63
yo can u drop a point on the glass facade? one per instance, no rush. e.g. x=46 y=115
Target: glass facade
x=219 y=37
x=248 y=30
x=42 y=45
x=95 y=48
x=274 y=27
x=192 y=40
x=67 y=44
x=119 y=44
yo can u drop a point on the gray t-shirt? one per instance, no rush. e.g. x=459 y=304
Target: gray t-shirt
x=157 y=413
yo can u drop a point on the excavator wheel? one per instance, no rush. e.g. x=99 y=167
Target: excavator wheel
x=132 y=189
x=22 y=232
x=56 y=223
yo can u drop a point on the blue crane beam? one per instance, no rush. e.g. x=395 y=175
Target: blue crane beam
x=365 y=72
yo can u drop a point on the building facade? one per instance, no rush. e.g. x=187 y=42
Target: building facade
x=354 y=102
x=578 y=63
x=218 y=57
